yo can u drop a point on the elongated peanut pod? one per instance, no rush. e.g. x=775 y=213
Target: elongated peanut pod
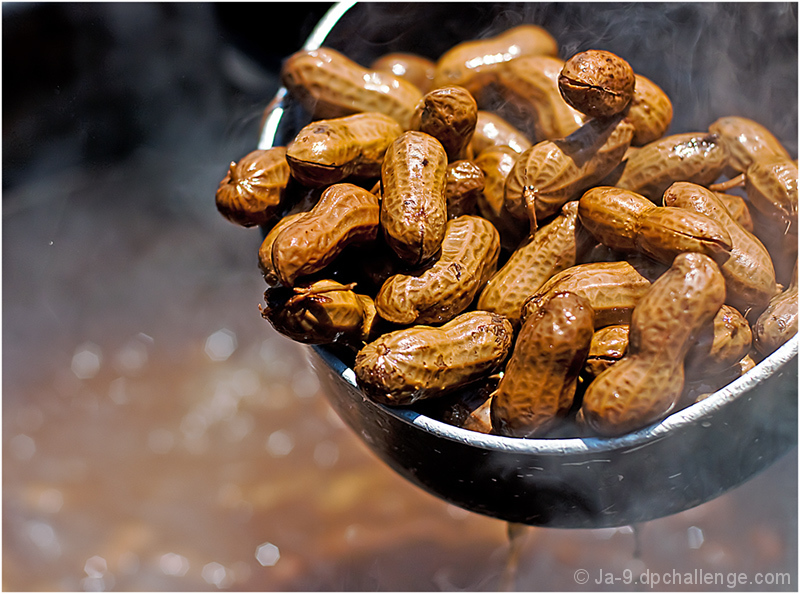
x=771 y=186
x=492 y=130
x=416 y=69
x=747 y=141
x=778 y=323
x=650 y=112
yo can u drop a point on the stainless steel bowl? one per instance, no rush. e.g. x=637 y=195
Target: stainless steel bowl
x=691 y=456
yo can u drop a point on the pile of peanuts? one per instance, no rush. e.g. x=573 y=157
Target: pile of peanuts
x=511 y=243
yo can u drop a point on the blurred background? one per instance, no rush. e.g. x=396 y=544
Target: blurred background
x=157 y=433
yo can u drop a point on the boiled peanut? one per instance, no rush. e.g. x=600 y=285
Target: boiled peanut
x=529 y=95
x=747 y=142
x=414 y=207
x=345 y=214
x=645 y=384
x=323 y=312
x=697 y=389
x=492 y=130
x=749 y=275
x=265 y=250
x=422 y=362
x=737 y=208
x=778 y=323
x=718 y=345
x=468 y=408
x=329 y=85
x=612 y=288
x=473 y=64
x=597 y=83
x=496 y=163
x=450 y=115
x=553 y=248
x=696 y=157
x=650 y=112
x=468 y=258
x=464 y=182
x=252 y=192
x=771 y=186
x=538 y=385
x=781 y=245
x=414 y=68
x=553 y=172
x=608 y=345
x=327 y=151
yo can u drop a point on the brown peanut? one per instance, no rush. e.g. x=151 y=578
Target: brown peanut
x=423 y=362
x=778 y=323
x=553 y=172
x=265 y=249
x=414 y=68
x=646 y=383
x=597 y=83
x=749 y=275
x=694 y=157
x=323 y=312
x=345 y=214
x=650 y=112
x=464 y=182
x=414 y=207
x=496 y=163
x=252 y=192
x=612 y=288
x=538 y=385
x=747 y=142
x=468 y=258
x=554 y=247
x=330 y=85
x=609 y=344
x=771 y=186
x=718 y=345
x=491 y=130
x=737 y=208
x=328 y=151
x=449 y=114
x=473 y=64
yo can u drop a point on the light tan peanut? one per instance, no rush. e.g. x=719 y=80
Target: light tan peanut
x=646 y=383
x=553 y=172
x=449 y=114
x=265 y=249
x=608 y=346
x=538 y=385
x=719 y=344
x=554 y=247
x=528 y=94
x=463 y=184
x=414 y=207
x=416 y=69
x=468 y=258
x=696 y=157
x=747 y=141
x=345 y=214
x=597 y=83
x=330 y=85
x=496 y=163
x=423 y=362
x=612 y=288
x=322 y=312
x=491 y=130
x=252 y=192
x=612 y=215
x=473 y=64
x=749 y=275
x=778 y=323
x=737 y=208
x=771 y=186
x=328 y=151
x=650 y=112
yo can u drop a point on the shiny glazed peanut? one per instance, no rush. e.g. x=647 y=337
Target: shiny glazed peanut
x=327 y=151
x=473 y=64
x=449 y=114
x=597 y=83
x=538 y=385
x=265 y=249
x=491 y=130
x=414 y=206
x=345 y=214
x=553 y=172
x=463 y=184
x=612 y=288
x=528 y=89
x=650 y=112
x=608 y=345
x=778 y=323
x=771 y=186
x=414 y=68
x=422 y=362
x=646 y=383
x=749 y=275
x=695 y=157
x=719 y=345
x=468 y=258
x=737 y=208
x=320 y=313
x=252 y=192
x=330 y=85
x=496 y=163
x=554 y=247
x=747 y=142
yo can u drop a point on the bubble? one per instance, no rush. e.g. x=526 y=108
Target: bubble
x=305 y=384
x=51 y=501
x=95 y=567
x=44 y=537
x=23 y=447
x=326 y=454
x=280 y=444
x=131 y=357
x=220 y=345
x=174 y=564
x=695 y=537
x=216 y=574
x=267 y=554
x=86 y=361
x=117 y=391
x=246 y=382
